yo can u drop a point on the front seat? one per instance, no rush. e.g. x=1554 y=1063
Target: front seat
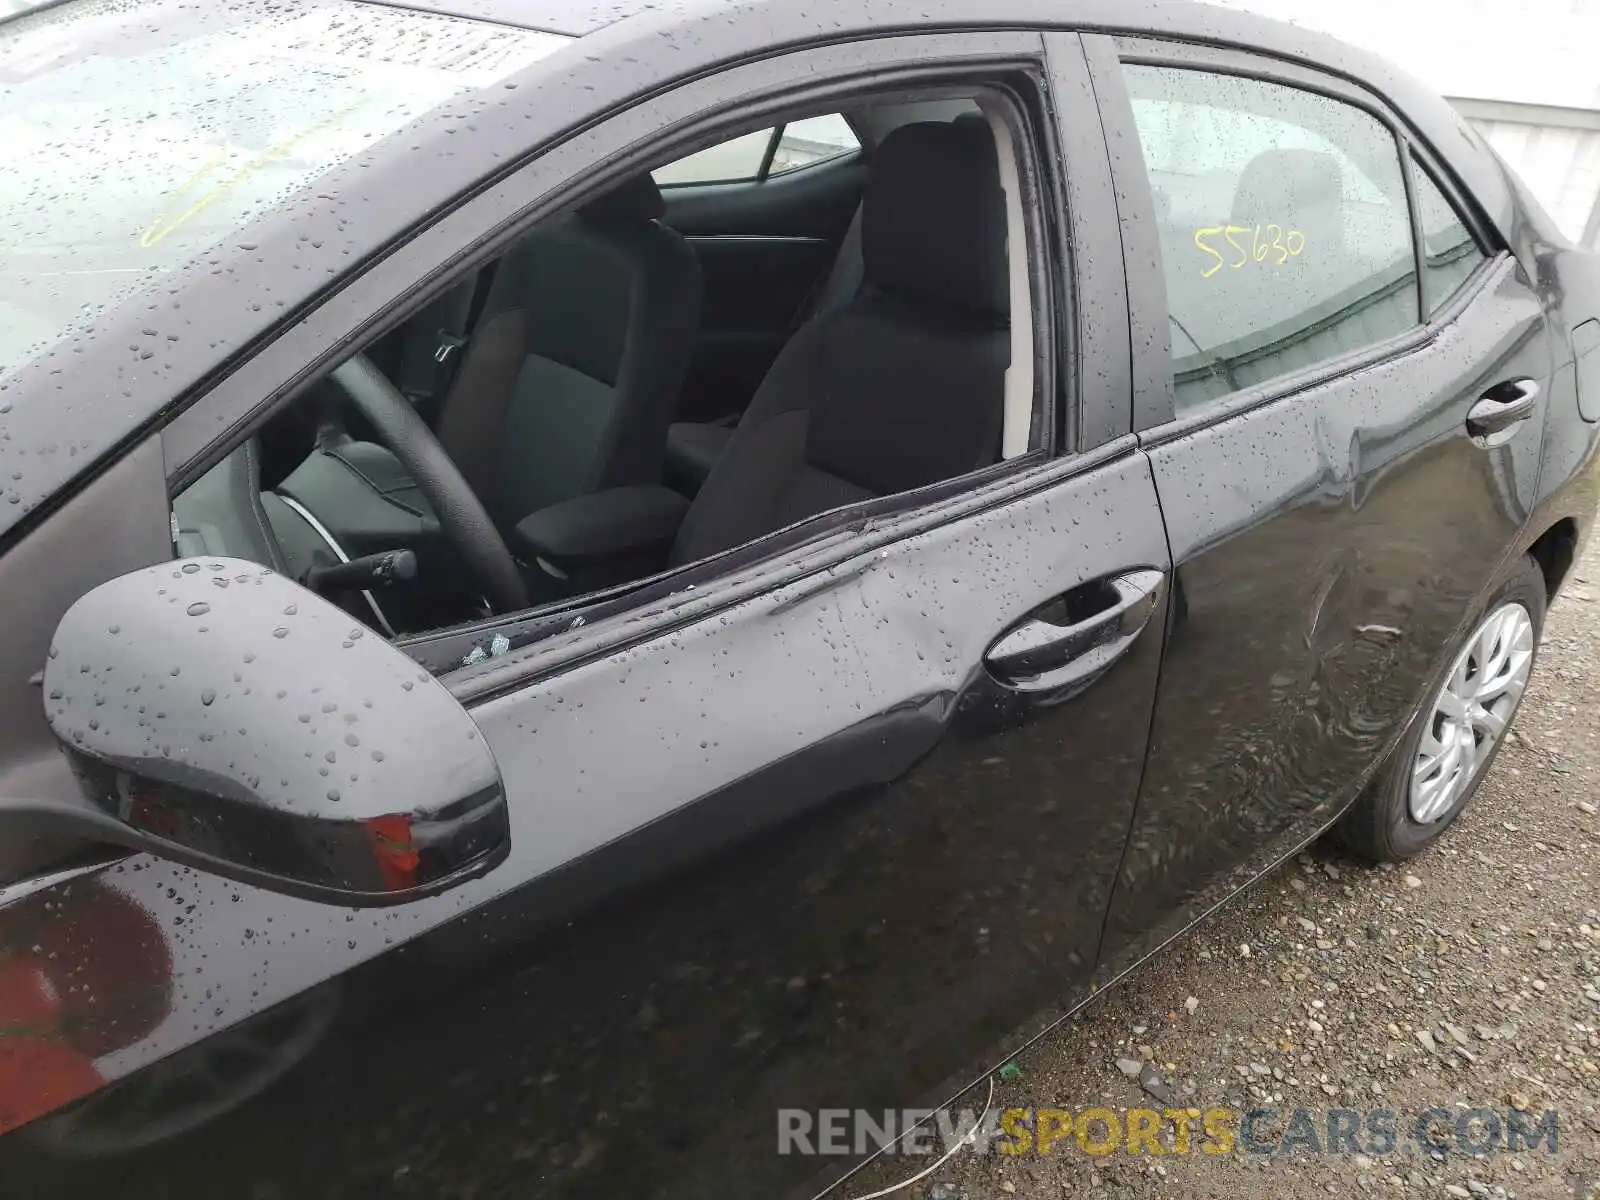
x=574 y=369
x=693 y=447
x=904 y=385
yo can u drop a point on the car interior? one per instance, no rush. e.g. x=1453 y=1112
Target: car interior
x=658 y=376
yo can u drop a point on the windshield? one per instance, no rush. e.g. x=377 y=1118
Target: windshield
x=139 y=135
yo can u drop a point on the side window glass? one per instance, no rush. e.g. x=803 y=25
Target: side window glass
x=813 y=140
x=743 y=159
x=1449 y=252
x=1285 y=233
x=732 y=161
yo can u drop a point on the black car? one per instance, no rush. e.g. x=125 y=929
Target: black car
x=580 y=575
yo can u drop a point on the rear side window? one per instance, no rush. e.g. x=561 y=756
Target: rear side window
x=775 y=150
x=733 y=161
x=1285 y=232
x=1450 y=253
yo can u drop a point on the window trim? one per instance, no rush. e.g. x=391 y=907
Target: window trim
x=394 y=288
x=1419 y=250
x=1287 y=387
x=832 y=556
x=1418 y=162
x=1157 y=420
x=771 y=152
x=1090 y=244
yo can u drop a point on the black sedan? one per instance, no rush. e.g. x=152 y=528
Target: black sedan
x=583 y=578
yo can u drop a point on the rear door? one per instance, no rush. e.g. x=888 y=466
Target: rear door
x=767 y=213
x=1315 y=423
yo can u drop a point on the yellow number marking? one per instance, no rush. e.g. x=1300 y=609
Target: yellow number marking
x=1277 y=244
x=1200 y=236
x=1270 y=243
x=1227 y=232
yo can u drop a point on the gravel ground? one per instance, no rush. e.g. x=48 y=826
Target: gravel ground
x=1466 y=978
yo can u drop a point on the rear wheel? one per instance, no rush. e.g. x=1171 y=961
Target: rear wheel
x=1459 y=729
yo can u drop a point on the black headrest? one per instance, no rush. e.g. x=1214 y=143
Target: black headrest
x=632 y=202
x=933 y=223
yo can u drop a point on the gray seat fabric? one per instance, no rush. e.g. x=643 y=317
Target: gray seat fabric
x=693 y=447
x=572 y=374
x=902 y=386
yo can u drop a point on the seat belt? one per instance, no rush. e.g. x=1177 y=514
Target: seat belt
x=438 y=341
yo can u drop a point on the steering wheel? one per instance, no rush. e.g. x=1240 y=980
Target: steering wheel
x=466 y=524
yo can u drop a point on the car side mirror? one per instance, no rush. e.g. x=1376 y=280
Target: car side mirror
x=218 y=714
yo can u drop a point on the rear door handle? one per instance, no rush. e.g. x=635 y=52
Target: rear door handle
x=1075 y=639
x=1502 y=406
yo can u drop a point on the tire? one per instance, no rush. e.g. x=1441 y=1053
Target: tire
x=1383 y=825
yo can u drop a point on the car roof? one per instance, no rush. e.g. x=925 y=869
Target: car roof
x=60 y=422
x=575 y=18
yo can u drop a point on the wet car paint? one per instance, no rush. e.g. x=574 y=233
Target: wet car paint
x=625 y=1004
x=889 y=819
x=1320 y=599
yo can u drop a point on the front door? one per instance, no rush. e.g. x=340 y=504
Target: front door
x=817 y=834
x=1333 y=504
x=808 y=852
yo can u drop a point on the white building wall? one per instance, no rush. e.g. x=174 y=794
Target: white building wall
x=1560 y=166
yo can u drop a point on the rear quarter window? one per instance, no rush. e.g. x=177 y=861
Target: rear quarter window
x=1449 y=252
x=763 y=154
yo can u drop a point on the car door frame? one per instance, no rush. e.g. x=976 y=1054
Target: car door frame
x=680 y=118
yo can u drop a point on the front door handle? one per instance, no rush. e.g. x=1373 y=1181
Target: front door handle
x=1073 y=640
x=1502 y=406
